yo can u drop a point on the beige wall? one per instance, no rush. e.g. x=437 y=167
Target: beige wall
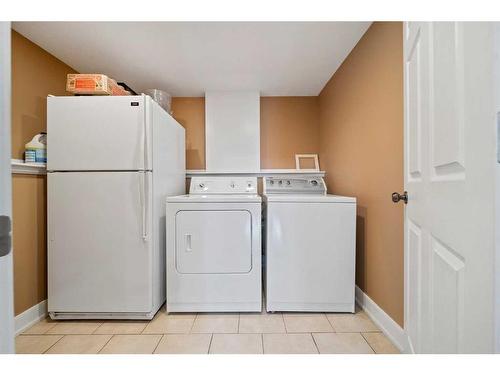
x=190 y=113
x=361 y=150
x=30 y=238
x=288 y=126
x=35 y=74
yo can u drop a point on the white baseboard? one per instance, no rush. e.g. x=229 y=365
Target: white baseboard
x=30 y=317
x=391 y=329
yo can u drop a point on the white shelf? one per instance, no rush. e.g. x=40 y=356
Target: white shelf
x=20 y=167
x=261 y=173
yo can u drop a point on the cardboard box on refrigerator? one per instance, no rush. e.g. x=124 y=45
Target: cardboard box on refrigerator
x=93 y=84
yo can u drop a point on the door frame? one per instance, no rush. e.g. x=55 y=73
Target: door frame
x=496 y=38
x=6 y=263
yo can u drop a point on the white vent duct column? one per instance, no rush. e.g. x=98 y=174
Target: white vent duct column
x=232 y=131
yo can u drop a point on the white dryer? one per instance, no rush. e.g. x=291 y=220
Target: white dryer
x=310 y=240
x=214 y=246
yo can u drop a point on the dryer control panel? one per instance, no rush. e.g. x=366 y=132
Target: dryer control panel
x=294 y=185
x=223 y=185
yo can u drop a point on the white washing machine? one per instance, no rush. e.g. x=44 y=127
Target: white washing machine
x=214 y=246
x=310 y=241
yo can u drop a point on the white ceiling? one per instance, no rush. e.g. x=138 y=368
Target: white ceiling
x=187 y=59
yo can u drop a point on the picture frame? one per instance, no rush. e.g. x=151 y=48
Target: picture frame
x=299 y=157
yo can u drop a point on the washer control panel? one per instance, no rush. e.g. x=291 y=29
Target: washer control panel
x=294 y=185
x=223 y=185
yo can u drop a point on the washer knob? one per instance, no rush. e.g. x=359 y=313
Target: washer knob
x=201 y=185
x=314 y=183
x=288 y=182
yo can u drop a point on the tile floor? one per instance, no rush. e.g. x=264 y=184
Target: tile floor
x=245 y=333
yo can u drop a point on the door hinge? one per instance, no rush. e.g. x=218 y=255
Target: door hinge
x=5 y=237
x=498 y=137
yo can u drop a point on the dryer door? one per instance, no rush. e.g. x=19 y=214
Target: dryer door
x=209 y=242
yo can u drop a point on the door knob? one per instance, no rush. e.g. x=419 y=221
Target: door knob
x=396 y=197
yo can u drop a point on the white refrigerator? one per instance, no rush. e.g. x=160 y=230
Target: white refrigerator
x=111 y=163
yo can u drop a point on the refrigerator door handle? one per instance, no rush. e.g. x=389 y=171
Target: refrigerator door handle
x=144 y=204
x=147 y=125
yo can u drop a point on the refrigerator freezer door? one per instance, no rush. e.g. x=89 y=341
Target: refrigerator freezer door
x=99 y=242
x=98 y=133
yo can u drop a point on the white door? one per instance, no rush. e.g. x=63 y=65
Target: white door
x=6 y=267
x=99 y=242
x=449 y=177
x=98 y=133
x=213 y=241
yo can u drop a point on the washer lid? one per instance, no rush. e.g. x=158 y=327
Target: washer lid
x=328 y=198
x=215 y=198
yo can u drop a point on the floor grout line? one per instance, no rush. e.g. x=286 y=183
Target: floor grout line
x=315 y=343
x=44 y=352
x=331 y=324
x=107 y=342
x=50 y=329
x=146 y=326
x=151 y=321
x=192 y=324
x=157 y=344
x=210 y=344
x=96 y=328
x=364 y=338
